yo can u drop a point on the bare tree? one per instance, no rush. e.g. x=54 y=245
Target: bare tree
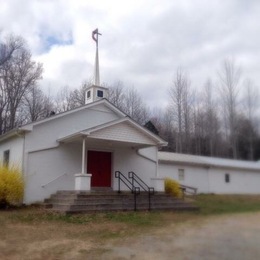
x=18 y=75
x=8 y=47
x=63 y=100
x=129 y=101
x=135 y=107
x=251 y=106
x=212 y=122
x=35 y=104
x=78 y=96
x=116 y=95
x=229 y=78
x=180 y=104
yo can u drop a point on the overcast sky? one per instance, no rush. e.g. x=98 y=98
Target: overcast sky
x=143 y=42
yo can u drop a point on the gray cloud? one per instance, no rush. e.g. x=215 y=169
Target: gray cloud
x=143 y=42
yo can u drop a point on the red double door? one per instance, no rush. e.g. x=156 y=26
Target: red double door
x=99 y=165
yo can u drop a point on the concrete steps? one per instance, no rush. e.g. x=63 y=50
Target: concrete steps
x=86 y=202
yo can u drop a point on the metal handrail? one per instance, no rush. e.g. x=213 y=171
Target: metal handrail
x=188 y=189
x=132 y=188
x=54 y=180
x=142 y=184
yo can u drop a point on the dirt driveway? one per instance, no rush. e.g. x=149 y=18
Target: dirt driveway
x=235 y=236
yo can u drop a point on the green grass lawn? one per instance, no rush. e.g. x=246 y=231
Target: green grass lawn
x=220 y=204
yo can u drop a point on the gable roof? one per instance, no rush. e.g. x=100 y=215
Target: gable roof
x=28 y=127
x=211 y=162
x=123 y=117
x=121 y=130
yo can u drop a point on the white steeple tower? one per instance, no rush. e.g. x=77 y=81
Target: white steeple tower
x=96 y=92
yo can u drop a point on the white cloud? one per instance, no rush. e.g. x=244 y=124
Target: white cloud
x=143 y=42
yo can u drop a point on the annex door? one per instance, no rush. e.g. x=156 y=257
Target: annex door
x=99 y=165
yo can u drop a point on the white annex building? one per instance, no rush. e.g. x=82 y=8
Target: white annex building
x=82 y=148
x=211 y=175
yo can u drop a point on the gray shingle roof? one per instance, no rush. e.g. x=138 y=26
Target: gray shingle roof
x=188 y=159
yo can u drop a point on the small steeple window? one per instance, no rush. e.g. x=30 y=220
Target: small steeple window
x=100 y=93
x=88 y=94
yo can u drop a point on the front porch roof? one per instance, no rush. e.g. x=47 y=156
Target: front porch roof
x=122 y=132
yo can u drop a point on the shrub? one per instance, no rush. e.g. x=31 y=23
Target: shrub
x=11 y=186
x=172 y=187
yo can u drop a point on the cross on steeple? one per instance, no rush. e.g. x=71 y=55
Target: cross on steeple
x=96 y=92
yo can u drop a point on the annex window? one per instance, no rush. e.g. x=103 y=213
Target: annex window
x=88 y=94
x=181 y=174
x=6 y=157
x=100 y=93
x=227 y=177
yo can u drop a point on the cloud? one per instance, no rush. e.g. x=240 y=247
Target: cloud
x=143 y=42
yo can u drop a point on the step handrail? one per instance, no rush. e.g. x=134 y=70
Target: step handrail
x=136 y=179
x=135 y=190
x=188 y=189
x=64 y=174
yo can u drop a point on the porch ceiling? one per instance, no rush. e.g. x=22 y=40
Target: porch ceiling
x=106 y=143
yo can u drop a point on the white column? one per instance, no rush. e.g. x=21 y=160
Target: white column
x=83 y=169
x=83 y=180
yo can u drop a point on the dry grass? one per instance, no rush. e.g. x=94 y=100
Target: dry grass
x=31 y=233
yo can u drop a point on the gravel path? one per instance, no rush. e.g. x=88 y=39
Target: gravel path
x=235 y=236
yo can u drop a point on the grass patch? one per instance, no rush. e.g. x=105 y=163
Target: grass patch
x=47 y=235
x=135 y=218
x=38 y=215
x=221 y=204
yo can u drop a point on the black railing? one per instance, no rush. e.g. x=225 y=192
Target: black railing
x=142 y=184
x=128 y=184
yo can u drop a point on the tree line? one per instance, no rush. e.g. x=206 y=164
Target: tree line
x=219 y=119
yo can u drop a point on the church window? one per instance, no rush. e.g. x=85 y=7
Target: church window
x=100 y=93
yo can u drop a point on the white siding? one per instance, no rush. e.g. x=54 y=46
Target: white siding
x=45 y=167
x=241 y=182
x=196 y=177
x=123 y=132
x=126 y=160
x=212 y=180
x=45 y=135
x=15 y=145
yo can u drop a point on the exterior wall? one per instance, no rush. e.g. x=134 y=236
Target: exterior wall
x=241 y=181
x=50 y=166
x=15 y=145
x=45 y=135
x=51 y=170
x=196 y=177
x=127 y=159
x=46 y=160
x=212 y=180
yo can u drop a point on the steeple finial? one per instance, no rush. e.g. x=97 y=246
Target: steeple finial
x=95 y=35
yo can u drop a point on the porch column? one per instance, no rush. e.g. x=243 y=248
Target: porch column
x=83 y=180
x=83 y=169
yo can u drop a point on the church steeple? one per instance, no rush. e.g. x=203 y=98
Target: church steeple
x=95 y=35
x=96 y=92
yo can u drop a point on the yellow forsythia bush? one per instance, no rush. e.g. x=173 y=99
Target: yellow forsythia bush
x=11 y=185
x=172 y=187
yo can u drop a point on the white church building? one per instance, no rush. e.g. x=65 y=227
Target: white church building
x=82 y=148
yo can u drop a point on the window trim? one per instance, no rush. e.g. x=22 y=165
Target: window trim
x=181 y=174
x=227 y=177
x=6 y=157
